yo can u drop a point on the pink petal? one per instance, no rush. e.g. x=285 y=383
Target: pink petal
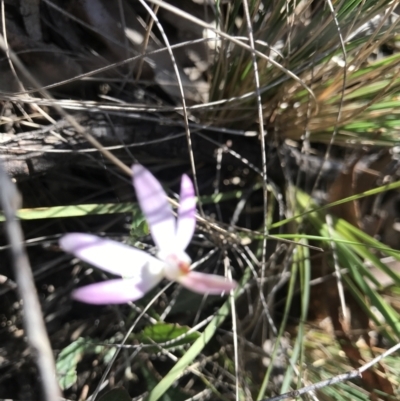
x=108 y=255
x=114 y=291
x=207 y=283
x=155 y=207
x=186 y=214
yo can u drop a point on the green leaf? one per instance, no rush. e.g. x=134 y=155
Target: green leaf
x=67 y=361
x=167 y=334
x=70 y=356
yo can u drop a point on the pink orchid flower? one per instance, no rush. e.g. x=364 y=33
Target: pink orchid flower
x=141 y=271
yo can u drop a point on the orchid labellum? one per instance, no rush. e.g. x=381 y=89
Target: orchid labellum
x=141 y=271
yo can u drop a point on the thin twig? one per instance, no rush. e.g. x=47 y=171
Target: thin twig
x=33 y=320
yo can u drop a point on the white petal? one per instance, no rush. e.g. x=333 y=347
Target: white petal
x=110 y=256
x=186 y=214
x=203 y=283
x=115 y=291
x=155 y=207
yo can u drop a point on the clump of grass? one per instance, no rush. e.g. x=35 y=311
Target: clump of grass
x=344 y=82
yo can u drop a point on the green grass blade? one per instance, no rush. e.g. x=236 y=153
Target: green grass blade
x=374 y=191
x=297 y=356
x=55 y=212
